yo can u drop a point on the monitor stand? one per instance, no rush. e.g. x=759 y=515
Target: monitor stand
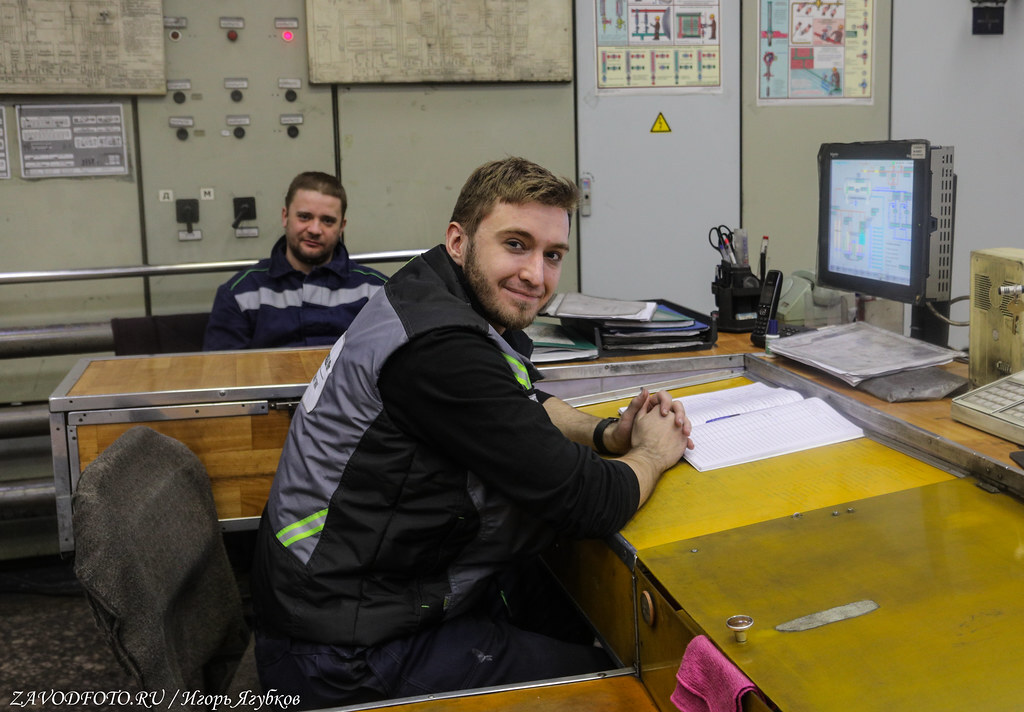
x=926 y=326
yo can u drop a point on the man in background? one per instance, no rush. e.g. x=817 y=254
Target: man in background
x=308 y=291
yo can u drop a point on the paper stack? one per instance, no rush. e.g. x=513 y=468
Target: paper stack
x=859 y=351
x=629 y=326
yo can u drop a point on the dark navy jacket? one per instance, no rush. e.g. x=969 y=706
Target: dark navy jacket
x=273 y=304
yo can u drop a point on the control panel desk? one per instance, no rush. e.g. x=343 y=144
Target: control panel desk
x=925 y=528
x=231 y=408
x=896 y=518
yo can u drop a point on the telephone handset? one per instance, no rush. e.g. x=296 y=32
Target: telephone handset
x=767 y=305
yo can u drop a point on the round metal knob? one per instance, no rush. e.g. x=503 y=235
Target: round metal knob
x=739 y=625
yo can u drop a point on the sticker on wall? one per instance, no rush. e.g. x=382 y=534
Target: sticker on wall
x=660 y=125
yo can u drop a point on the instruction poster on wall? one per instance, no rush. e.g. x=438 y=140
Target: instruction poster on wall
x=658 y=44
x=71 y=140
x=815 y=52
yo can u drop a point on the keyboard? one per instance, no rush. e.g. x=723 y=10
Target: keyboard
x=996 y=408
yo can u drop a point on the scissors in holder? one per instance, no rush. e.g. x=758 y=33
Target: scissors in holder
x=721 y=239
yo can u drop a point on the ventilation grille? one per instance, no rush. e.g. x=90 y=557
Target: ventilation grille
x=982 y=291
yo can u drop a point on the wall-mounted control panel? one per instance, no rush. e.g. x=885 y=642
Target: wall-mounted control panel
x=239 y=120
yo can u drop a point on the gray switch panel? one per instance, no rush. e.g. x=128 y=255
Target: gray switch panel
x=239 y=120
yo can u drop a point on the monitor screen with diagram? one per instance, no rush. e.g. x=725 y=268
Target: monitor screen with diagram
x=885 y=220
x=875 y=218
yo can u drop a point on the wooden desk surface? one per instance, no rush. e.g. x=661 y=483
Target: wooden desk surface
x=233 y=370
x=189 y=372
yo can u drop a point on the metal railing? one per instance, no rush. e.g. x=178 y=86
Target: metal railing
x=57 y=339
x=60 y=275
x=97 y=337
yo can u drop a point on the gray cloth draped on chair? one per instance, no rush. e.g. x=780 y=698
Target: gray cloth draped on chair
x=151 y=557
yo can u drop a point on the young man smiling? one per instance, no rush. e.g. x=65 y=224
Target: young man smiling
x=308 y=291
x=423 y=467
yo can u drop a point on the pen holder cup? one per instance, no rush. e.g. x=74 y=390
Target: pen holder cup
x=736 y=291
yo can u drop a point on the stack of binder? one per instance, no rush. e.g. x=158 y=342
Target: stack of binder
x=552 y=343
x=619 y=327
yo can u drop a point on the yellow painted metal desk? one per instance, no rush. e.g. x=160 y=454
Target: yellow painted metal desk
x=803 y=533
x=944 y=563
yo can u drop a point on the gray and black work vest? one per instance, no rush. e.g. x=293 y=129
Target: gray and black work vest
x=368 y=534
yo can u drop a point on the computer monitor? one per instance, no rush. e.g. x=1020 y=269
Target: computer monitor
x=885 y=226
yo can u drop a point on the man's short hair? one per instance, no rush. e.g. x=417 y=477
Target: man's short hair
x=513 y=180
x=319 y=182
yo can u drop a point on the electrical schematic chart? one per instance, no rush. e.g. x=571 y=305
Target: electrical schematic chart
x=82 y=46
x=405 y=41
x=666 y=43
x=820 y=51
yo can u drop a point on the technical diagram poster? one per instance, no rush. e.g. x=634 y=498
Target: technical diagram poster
x=82 y=47
x=398 y=41
x=671 y=44
x=815 y=52
x=71 y=140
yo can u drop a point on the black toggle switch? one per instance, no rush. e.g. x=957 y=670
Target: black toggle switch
x=187 y=211
x=245 y=209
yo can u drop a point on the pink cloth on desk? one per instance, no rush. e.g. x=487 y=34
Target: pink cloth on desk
x=708 y=681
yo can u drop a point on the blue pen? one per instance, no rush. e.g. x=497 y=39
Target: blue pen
x=722 y=417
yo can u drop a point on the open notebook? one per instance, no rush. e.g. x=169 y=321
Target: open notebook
x=754 y=422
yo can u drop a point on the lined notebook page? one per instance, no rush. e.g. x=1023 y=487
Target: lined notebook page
x=791 y=427
x=702 y=407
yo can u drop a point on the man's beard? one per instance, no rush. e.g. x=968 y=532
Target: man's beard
x=313 y=260
x=487 y=297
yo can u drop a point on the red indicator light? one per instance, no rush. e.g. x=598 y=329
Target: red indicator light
x=288 y=35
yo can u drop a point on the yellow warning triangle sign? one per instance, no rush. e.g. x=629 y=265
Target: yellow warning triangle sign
x=660 y=125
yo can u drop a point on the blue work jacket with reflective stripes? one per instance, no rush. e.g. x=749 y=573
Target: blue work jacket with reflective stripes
x=272 y=304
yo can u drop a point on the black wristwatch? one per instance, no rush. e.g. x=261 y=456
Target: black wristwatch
x=599 y=436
